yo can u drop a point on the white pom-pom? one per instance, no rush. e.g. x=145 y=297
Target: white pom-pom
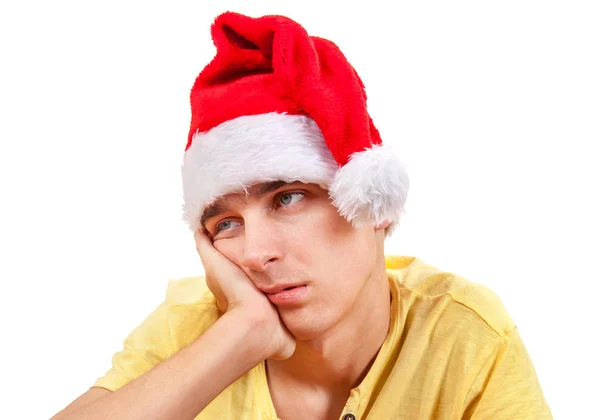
x=371 y=188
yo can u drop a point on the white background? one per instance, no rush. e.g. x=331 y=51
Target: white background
x=494 y=106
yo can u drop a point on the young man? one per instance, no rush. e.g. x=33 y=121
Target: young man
x=290 y=195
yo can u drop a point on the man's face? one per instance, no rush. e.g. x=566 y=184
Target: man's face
x=290 y=234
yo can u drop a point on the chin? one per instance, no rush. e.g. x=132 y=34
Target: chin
x=305 y=328
x=304 y=334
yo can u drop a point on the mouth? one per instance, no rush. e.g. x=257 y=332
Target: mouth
x=273 y=290
x=289 y=295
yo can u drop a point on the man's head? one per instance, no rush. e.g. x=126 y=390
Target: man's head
x=278 y=104
x=290 y=235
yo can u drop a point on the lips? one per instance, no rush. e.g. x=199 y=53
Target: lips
x=273 y=290
x=286 y=295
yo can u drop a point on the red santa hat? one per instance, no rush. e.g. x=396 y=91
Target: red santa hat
x=278 y=104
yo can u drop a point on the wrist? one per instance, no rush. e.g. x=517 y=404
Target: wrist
x=249 y=333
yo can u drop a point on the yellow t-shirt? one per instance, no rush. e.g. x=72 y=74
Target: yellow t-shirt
x=452 y=352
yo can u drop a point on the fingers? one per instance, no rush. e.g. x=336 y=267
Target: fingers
x=215 y=263
x=205 y=248
x=200 y=238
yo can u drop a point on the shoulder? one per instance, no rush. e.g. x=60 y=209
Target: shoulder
x=458 y=329
x=191 y=309
x=188 y=291
x=460 y=298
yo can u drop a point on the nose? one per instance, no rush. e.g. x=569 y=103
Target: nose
x=262 y=245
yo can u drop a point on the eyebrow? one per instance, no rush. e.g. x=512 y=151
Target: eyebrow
x=262 y=189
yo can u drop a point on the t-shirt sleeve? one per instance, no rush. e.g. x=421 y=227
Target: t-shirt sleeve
x=507 y=386
x=145 y=347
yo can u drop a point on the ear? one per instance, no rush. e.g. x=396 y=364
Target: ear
x=382 y=225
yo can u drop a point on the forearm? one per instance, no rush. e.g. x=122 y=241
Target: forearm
x=181 y=386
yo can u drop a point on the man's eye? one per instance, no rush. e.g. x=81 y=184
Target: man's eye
x=286 y=199
x=224 y=225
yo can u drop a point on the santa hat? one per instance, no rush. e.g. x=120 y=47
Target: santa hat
x=278 y=104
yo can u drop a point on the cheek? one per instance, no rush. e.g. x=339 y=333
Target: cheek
x=229 y=248
x=355 y=257
x=342 y=253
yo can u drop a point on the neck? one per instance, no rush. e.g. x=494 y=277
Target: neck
x=341 y=358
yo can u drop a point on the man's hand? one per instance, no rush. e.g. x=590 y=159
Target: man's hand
x=236 y=293
x=182 y=385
